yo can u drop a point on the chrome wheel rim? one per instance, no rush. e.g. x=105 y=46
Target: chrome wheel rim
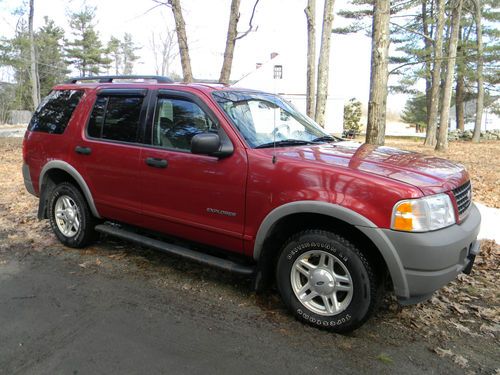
x=67 y=216
x=321 y=282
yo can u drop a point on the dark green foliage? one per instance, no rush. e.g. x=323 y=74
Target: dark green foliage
x=85 y=52
x=51 y=66
x=352 y=116
x=415 y=111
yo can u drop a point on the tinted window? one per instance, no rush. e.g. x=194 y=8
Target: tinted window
x=116 y=118
x=177 y=121
x=53 y=114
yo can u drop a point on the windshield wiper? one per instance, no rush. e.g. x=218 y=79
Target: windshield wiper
x=327 y=138
x=285 y=142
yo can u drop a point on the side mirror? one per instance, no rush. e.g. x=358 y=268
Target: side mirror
x=205 y=143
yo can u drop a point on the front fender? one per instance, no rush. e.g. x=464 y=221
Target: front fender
x=381 y=242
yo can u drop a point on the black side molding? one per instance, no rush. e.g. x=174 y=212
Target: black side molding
x=223 y=264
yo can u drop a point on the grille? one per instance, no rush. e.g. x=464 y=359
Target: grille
x=463 y=196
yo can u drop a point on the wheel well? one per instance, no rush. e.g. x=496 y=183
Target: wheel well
x=51 y=179
x=291 y=224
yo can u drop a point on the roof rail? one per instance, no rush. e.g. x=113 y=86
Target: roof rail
x=110 y=79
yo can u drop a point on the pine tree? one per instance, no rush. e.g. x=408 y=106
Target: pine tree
x=51 y=66
x=128 y=49
x=85 y=52
x=415 y=111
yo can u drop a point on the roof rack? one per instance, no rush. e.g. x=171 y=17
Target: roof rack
x=110 y=79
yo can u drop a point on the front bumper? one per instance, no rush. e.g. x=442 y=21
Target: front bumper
x=430 y=260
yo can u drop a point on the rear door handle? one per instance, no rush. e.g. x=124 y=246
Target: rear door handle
x=83 y=150
x=157 y=163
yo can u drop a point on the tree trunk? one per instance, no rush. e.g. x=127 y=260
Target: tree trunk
x=232 y=32
x=480 y=85
x=442 y=141
x=430 y=136
x=377 y=103
x=180 y=28
x=427 y=58
x=324 y=63
x=35 y=82
x=460 y=87
x=311 y=58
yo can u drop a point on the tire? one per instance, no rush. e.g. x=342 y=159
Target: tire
x=70 y=216
x=337 y=286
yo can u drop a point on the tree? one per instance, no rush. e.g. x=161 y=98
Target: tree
x=352 y=116
x=310 y=12
x=375 y=129
x=430 y=136
x=232 y=37
x=232 y=31
x=442 y=140
x=164 y=50
x=35 y=84
x=113 y=53
x=85 y=51
x=415 y=111
x=480 y=84
x=15 y=53
x=128 y=48
x=51 y=66
x=324 y=63
x=180 y=29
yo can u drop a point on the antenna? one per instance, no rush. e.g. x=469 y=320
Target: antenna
x=274 y=138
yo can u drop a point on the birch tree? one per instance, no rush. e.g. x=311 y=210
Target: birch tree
x=324 y=63
x=377 y=103
x=442 y=140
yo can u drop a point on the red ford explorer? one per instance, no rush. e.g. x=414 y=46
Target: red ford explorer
x=240 y=180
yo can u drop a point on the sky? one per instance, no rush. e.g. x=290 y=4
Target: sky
x=280 y=27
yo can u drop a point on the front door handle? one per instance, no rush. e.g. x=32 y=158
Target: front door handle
x=156 y=163
x=83 y=150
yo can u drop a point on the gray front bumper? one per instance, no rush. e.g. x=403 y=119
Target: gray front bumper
x=428 y=261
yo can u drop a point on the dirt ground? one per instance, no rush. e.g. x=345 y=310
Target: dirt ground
x=119 y=308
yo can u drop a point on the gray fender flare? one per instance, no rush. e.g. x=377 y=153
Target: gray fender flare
x=68 y=168
x=387 y=250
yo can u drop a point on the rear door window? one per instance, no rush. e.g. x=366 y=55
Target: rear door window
x=116 y=118
x=53 y=114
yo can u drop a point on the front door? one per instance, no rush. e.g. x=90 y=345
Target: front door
x=197 y=197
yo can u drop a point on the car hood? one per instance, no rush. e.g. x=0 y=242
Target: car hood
x=430 y=174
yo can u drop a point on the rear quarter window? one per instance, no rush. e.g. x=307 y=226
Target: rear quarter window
x=53 y=114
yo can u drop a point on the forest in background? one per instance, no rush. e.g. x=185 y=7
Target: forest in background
x=444 y=53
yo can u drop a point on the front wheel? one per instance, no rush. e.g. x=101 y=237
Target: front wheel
x=70 y=216
x=326 y=281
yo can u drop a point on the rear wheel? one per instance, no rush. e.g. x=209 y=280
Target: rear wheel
x=70 y=216
x=326 y=281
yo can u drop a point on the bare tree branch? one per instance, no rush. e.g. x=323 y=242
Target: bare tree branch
x=250 y=26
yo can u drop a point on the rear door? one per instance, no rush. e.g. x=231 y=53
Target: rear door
x=198 y=197
x=109 y=151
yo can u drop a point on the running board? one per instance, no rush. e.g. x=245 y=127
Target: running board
x=181 y=251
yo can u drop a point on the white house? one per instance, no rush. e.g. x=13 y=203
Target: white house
x=286 y=76
x=489 y=121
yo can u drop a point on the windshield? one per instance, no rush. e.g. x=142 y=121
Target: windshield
x=266 y=120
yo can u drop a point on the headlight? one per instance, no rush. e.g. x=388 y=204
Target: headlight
x=423 y=214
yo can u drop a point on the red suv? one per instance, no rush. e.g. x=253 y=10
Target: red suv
x=240 y=180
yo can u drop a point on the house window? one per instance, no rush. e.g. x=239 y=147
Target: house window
x=278 y=72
